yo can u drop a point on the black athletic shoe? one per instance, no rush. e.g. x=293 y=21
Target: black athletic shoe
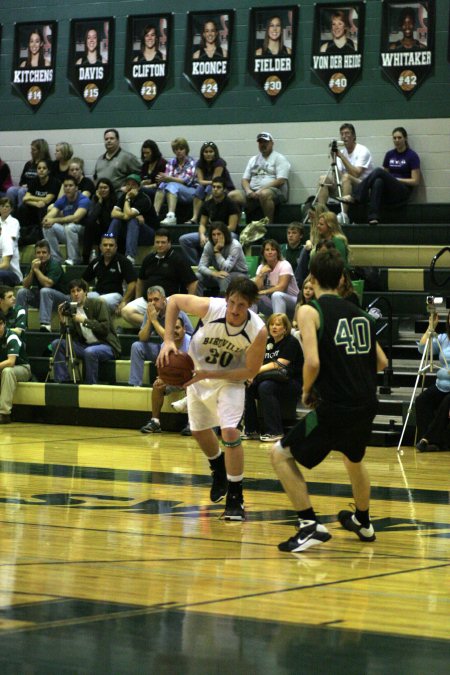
x=234 y=507
x=349 y=522
x=219 y=485
x=310 y=533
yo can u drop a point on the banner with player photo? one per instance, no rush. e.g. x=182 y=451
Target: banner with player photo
x=147 y=54
x=337 y=52
x=208 y=45
x=33 y=71
x=91 y=57
x=272 y=45
x=407 y=43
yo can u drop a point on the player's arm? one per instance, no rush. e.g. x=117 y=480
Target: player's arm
x=382 y=361
x=308 y=323
x=190 y=304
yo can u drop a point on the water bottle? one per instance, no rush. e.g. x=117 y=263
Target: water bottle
x=243 y=220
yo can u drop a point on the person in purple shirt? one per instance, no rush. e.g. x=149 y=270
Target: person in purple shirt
x=65 y=221
x=392 y=184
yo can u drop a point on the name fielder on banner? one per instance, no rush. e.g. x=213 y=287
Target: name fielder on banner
x=33 y=71
x=147 y=54
x=337 y=53
x=208 y=44
x=271 y=48
x=407 y=43
x=91 y=57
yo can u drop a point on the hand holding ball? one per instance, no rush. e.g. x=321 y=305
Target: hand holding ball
x=178 y=370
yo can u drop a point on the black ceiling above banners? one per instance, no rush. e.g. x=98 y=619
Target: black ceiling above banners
x=34 y=60
x=91 y=57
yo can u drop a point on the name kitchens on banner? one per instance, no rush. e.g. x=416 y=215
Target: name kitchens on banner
x=91 y=57
x=337 y=54
x=407 y=43
x=33 y=71
x=271 y=48
x=208 y=48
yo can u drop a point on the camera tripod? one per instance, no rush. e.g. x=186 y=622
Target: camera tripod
x=72 y=361
x=332 y=177
x=427 y=364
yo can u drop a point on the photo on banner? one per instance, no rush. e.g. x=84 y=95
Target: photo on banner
x=407 y=43
x=208 y=45
x=91 y=57
x=272 y=46
x=147 y=54
x=337 y=53
x=33 y=70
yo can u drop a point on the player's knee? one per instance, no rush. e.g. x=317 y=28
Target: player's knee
x=231 y=437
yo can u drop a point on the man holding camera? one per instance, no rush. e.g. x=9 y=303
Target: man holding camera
x=94 y=337
x=353 y=161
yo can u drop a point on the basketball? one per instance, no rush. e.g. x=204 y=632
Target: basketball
x=178 y=370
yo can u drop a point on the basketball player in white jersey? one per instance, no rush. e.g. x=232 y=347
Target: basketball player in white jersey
x=227 y=348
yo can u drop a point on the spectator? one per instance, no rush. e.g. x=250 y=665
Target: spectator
x=5 y=178
x=277 y=383
x=165 y=267
x=392 y=184
x=41 y=192
x=432 y=402
x=314 y=213
x=98 y=218
x=63 y=155
x=277 y=288
x=178 y=182
x=15 y=314
x=292 y=249
x=94 y=339
x=153 y=325
x=209 y=166
x=43 y=285
x=354 y=162
x=10 y=272
x=222 y=259
x=64 y=223
x=116 y=164
x=265 y=180
x=14 y=367
x=85 y=185
x=8 y=224
x=110 y=273
x=39 y=150
x=133 y=218
x=328 y=229
x=219 y=208
x=153 y=163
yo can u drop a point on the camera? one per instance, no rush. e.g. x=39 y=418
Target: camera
x=69 y=308
x=334 y=146
x=434 y=304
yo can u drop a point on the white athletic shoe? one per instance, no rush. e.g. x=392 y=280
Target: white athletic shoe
x=180 y=406
x=170 y=219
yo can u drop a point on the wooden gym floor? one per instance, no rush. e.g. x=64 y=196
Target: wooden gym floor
x=113 y=560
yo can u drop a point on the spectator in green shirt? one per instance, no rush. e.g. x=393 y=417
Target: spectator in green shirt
x=15 y=314
x=14 y=367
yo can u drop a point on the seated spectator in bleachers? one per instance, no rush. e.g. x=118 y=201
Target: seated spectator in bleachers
x=93 y=335
x=14 y=368
x=42 y=191
x=10 y=272
x=133 y=218
x=329 y=230
x=116 y=164
x=279 y=381
x=302 y=269
x=222 y=260
x=43 y=285
x=152 y=325
x=159 y=389
x=111 y=273
x=5 y=178
x=275 y=279
x=165 y=267
x=14 y=313
x=210 y=165
x=98 y=218
x=39 y=150
x=219 y=208
x=292 y=249
x=178 y=182
x=85 y=185
x=64 y=223
x=306 y=295
x=392 y=184
x=153 y=163
x=60 y=166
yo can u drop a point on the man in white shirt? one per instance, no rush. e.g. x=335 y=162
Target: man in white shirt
x=354 y=162
x=10 y=272
x=265 y=179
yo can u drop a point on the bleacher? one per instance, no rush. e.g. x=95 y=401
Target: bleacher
x=395 y=257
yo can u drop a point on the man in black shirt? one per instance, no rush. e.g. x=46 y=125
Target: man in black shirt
x=342 y=358
x=133 y=217
x=166 y=267
x=110 y=272
x=218 y=209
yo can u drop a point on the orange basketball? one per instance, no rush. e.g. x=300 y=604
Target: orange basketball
x=178 y=370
